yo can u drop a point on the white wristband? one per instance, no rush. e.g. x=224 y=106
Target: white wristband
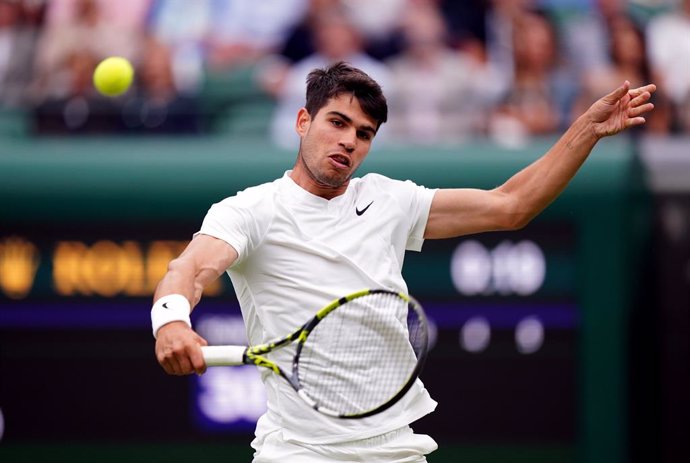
x=170 y=308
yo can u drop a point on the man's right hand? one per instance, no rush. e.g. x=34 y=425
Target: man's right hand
x=178 y=349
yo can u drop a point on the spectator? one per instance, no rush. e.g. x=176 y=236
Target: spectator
x=586 y=38
x=219 y=35
x=335 y=39
x=378 y=23
x=628 y=59
x=19 y=29
x=125 y=14
x=155 y=104
x=78 y=34
x=538 y=99
x=435 y=94
x=467 y=24
x=243 y=31
x=71 y=105
x=500 y=20
x=668 y=38
x=183 y=26
x=86 y=32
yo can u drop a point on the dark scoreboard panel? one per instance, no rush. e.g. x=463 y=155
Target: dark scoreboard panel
x=76 y=353
x=505 y=361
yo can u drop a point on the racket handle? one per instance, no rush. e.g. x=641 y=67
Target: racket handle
x=217 y=356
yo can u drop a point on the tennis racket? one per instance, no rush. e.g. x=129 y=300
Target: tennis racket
x=356 y=357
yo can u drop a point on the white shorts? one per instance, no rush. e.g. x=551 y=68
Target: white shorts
x=399 y=446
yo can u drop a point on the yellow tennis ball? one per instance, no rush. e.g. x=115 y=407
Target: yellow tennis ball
x=113 y=76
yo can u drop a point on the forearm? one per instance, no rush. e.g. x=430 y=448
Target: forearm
x=457 y=212
x=202 y=262
x=177 y=345
x=536 y=186
x=177 y=281
x=183 y=279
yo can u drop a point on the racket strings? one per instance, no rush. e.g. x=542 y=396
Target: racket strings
x=362 y=354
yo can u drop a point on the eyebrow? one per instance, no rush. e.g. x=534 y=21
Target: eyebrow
x=365 y=127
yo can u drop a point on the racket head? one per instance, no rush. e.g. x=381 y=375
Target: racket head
x=361 y=353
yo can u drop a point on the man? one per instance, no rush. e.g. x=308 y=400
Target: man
x=294 y=244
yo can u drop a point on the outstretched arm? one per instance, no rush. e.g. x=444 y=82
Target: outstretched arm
x=177 y=345
x=456 y=212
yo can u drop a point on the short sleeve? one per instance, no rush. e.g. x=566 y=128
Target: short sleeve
x=227 y=223
x=419 y=206
x=240 y=221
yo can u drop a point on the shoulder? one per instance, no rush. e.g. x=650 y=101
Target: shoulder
x=400 y=192
x=384 y=183
x=255 y=204
x=253 y=196
x=398 y=201
x=244 y=218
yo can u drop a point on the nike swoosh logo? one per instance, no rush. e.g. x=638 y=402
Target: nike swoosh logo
x=165 y=305
x=362 y=211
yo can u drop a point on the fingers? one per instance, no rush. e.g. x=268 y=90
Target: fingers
x=640 y=99
x=197 y=358
x=180 y=353
x=639 y=110
x=175 y=360
x=635 y=92
x=622 y=108
x=618 y=93
x=632 y=122
x=639 y=104
x=634 y=114
x=187 y=361
x=171 y=363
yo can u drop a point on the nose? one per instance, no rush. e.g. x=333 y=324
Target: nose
x=348 y=141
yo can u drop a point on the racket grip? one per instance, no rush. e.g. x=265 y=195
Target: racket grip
x=217 y=356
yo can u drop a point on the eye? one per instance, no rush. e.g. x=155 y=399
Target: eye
x=364 y=135
x=337 y=122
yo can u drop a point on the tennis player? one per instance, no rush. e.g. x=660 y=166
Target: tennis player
x=317 y=233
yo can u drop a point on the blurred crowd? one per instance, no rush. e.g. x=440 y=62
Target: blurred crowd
x=452 y=70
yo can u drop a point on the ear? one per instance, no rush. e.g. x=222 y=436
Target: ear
x=303 y=122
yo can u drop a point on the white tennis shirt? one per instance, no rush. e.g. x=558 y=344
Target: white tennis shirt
x=297 y=252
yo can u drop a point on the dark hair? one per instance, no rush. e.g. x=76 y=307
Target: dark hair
x=324 y=84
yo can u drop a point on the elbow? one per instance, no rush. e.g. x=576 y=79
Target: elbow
x=515 y=222
x=180 y=269
x=521 y=222
x=176 y=266
x=515 y=216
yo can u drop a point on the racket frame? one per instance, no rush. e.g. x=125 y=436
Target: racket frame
x=254 y=355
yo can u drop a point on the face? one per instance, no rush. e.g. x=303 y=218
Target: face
x=628 y=47
x=334 y=142
x=534 y=43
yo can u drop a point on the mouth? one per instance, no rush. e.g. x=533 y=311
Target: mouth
x=340 y=160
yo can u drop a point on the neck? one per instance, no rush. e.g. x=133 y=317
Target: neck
x=304 y=178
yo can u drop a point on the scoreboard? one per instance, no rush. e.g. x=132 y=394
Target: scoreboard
x=528 y=326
